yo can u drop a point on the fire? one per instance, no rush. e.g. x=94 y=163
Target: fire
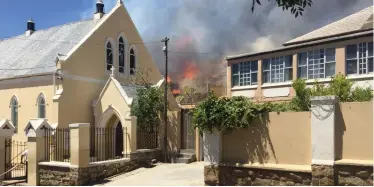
x=168 y=79
x=190 y=70
x=174 y=89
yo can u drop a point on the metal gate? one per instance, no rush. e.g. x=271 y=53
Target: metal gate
x=188 y=133
x=15 y=165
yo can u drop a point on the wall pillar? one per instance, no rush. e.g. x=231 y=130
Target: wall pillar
x=212 y=147
x=323 y=140
x=36 y=153
x=80 y=144
x=6 y=132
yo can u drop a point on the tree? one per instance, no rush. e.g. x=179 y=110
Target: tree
x=296 y=6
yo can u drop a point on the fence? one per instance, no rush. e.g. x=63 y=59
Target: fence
x=147 y=137
x=57 y=145
x=108 y=143
x=14 y=163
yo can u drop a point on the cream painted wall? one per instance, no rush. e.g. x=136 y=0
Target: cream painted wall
x=284 y=139
x=27 y=100
x=263 y=90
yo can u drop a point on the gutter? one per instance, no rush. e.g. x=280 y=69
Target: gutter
x=27 y=76
x=285 y=48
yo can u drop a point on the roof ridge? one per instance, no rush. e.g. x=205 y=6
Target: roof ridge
x=45 y=29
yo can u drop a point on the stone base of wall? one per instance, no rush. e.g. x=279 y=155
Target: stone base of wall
x=64 y=174
x=323 y=175
x=225 y=175
x=342 y=174
x=354 y=175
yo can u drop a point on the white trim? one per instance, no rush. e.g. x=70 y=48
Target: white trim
x=125 y=51
x=267 y=85
x=243 y=87
x=127 y=99
x=98 y=25
x=360 y=76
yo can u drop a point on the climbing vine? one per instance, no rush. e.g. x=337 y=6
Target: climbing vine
x=224 y=114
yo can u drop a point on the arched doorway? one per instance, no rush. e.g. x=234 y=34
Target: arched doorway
x=119 y=140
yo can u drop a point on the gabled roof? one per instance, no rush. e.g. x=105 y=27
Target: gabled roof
x=352 y=23
x=36 y=54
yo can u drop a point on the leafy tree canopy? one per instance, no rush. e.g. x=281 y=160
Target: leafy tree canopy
x=295 y=6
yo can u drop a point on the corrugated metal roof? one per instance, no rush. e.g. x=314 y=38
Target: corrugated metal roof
x=36 y=54
x=348 y=24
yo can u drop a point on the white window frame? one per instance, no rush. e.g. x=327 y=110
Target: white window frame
x=245 y=75
x=125 y=67
x=42 y=96
x=280 y=62
x=111 y=41
x=307 y=65
x=358 y=58
x=12 y=106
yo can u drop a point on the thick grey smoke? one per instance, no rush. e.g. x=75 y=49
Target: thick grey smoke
x=227 y=26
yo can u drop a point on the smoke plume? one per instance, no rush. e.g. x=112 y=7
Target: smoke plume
x=203 y=32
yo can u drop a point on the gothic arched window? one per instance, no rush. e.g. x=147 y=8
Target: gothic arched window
x=41 y=106
x=121 y=55
x=14 y=111
x=132 y=61
x=109 y=56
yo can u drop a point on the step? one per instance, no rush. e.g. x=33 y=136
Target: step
x=184 y=160
x=187 y=151
x=187 y=155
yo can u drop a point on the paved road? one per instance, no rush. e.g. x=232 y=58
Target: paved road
x=162 y=175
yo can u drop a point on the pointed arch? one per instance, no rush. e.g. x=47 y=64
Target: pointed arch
x=107 y=115
x=133 y=60
x=14 y=111
x=109 y=57
x=41 y=104
x=122 y=56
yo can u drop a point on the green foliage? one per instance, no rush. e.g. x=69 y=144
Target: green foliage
x=296 y=7
x=225 y=114
x=148 y=105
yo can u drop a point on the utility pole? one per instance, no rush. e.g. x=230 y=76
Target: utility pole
x=165 y=49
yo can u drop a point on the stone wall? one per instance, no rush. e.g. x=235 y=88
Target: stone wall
x=351 y=175
x=339 y=174
x=64 y=174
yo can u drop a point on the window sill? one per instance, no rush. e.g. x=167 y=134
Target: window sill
x=243 y=87
x=362 y=76
x=322 y=80
x=267 y=85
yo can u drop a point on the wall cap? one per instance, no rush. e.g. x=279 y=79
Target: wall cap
x=77 y=125
x=354 y=162
x=324 y=98
x=268 y=166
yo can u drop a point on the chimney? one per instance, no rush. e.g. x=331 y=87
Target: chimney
x=30 y=27
x=99 y=10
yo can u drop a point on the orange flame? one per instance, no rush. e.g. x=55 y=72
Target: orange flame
x=190 y=70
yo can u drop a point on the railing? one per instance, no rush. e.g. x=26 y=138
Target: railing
x=14 y=160
x=108 y=143
x=57 y=145
x=147 y=137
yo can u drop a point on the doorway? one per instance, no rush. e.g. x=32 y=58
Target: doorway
x=119 y=140
x=187 y=131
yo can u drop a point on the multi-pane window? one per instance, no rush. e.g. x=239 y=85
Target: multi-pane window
x=14 y=111
x=109 y=56
x=121 y=55
x=244 y=73
x=41 y=106
x=316 y=64
x=277 y=69
x=132 y=61
x=359 y=58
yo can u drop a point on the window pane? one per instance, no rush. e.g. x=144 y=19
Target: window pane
x=266 y=77
x=330 y=55
x=254 y=78
x=265 y=64
x=330 y=69
x=351 y=51
x=288 y=61
x=351 y=66
x=302 y=72
x=288 y=74
x=302 y=59
x=370 y=64
x=370 y=48
x=254 y=65
x=235 y=80
x=235 y=69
